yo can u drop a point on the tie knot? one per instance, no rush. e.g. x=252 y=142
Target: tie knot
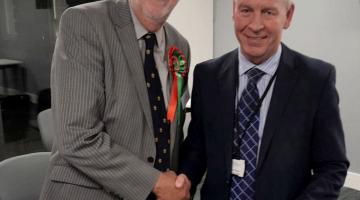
x=254 y=74
x=150 y=40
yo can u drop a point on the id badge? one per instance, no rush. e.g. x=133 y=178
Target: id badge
x=238 y=167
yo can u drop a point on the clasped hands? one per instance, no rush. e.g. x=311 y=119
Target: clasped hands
x=171 y=186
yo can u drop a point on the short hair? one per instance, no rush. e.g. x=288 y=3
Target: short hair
x=289 y=3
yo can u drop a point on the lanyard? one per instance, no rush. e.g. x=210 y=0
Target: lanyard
x=252 y=115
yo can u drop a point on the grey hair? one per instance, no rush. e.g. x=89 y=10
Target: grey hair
x=289 y=2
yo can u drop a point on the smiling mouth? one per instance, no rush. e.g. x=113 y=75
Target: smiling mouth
x=256 y=37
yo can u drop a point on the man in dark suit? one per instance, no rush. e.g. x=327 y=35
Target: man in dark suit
x=110 y=86
x=265 y=119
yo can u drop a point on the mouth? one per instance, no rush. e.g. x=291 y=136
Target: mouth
x=162 y=2
x=255 y=38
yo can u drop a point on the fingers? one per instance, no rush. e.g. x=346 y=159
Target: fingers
x=164 y=179
x=170 y=173
x=183 y=183
x=170 y=186
x=180 y=181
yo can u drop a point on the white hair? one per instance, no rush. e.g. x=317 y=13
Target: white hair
x=288 y=3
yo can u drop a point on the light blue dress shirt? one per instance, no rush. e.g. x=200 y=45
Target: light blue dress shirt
x=269 y=67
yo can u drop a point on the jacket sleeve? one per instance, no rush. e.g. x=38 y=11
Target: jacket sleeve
x=329 y=162
x=193 y=157
x=77 y=83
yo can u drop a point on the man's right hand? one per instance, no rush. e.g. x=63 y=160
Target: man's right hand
x=165 y=188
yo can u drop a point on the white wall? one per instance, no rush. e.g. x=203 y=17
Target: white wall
x=194 y=19
x=326 y=29
x=330 y=30
x=224 y=37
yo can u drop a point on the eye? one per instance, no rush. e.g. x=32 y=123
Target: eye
x=245 y=11
x=269 y=12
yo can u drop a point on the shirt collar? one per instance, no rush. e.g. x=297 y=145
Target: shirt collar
x=269 y=66
x=140 y=30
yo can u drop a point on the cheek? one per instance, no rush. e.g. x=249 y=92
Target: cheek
x=172 y=4
x=238 y=26
x=239 y=31
x=239 y=23
x=274 y=27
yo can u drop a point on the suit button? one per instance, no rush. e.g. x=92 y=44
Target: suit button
x=150 y=159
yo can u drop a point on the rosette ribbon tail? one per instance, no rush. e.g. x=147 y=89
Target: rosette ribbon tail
x=173 y=100
x=178 y=69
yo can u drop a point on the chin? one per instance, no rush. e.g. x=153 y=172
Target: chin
x=254 y=52
x=159 y=17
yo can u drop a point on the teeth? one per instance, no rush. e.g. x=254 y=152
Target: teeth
x=256 y=37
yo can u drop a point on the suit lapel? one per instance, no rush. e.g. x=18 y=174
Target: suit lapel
x=176 y=132
x=130 y=47
x=226 y=84
x=170 y=41
x=126 y=33
x=286 y=79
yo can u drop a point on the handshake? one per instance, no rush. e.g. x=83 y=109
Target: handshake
x=171 y=186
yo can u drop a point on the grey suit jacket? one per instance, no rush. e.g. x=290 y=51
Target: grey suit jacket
x=103 y=123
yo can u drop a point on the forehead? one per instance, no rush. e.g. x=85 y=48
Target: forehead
x=261 y=3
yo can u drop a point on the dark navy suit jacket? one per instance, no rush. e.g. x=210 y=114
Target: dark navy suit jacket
x=302 y=153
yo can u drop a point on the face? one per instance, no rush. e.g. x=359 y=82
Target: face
x=258 y=26
x=152 y=12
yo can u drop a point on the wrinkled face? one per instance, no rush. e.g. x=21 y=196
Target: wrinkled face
x=258 y=26
x=154 y=10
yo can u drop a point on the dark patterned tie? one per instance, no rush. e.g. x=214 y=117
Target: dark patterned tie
x=246 y=137
x=158 y=110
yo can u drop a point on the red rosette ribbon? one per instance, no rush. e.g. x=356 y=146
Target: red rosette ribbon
x=178 y=69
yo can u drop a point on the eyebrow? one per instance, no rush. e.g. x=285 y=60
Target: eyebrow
x=242 y=5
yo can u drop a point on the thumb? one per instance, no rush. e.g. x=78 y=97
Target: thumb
x=180 y=181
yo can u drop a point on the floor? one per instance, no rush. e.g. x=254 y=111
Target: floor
x=349 y=194
x=20 y=133
x=31 y=143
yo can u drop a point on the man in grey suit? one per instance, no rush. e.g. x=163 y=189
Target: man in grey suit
x=110 y=131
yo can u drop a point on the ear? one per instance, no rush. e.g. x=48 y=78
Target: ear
x=289 y=15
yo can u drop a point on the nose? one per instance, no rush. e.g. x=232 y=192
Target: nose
x=256 y=24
